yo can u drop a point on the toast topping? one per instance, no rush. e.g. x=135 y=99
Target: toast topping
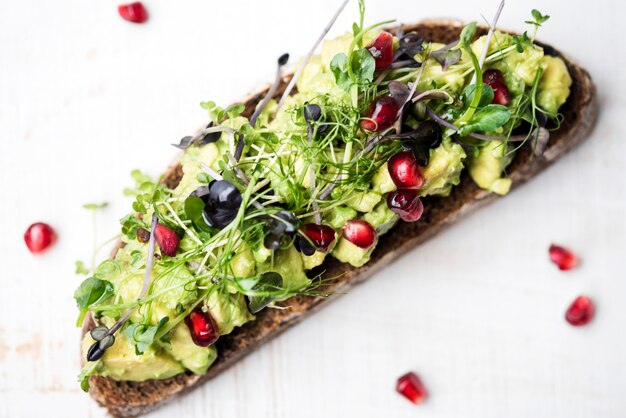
x=380 y=120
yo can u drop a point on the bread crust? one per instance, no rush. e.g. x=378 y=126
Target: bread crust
x=129 y=399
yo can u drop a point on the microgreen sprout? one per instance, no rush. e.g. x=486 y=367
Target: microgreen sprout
x=492 y=27
x=308 y=56
x=538 y=20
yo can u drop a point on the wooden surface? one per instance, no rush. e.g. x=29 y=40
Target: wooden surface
x=477 y=312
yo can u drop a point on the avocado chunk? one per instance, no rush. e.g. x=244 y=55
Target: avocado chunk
x=444 y=169
x=288 y=263
x=347 y=252
x=522 y=65
x=554 y=86
x=338 y=216
x=120 y=361
x=191 y=356
x=382 y=182
x=364 y=201
x=243 y=263
x=312 y=261
x=190 y=161
x=229 y=310
x=486 y=169
x=381 y=218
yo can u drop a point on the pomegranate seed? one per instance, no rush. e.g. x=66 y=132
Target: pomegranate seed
x=202 y=327
x=381 y=114
x=405 y=171
x=495 y=80
x=580 y=312
x=412 y=388
x=406 y=204
x=133 y=12
x=563 y=258
x=382 y=50
x=39 y=237
x=360 y=233
x=167 y=239
x=321 y=235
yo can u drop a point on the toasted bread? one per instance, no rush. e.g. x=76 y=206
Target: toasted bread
x=129 y=399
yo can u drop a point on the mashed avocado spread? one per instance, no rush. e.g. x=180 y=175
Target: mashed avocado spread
x=378 y=123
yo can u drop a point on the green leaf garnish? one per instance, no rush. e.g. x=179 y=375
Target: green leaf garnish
x=92 y=290
x=467 y=34
x=486 y=119
x=194 y=208
x=130 y=225
x=363 y=67
x=446 y=57
x=538 y=20
x=142 y=336
x=339 y=70
x=269 y=281
x=486 y=95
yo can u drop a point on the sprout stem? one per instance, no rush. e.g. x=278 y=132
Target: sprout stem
x=272 y=90
x=146 y=279
x=446 y=124
x=494 y=22
x=294 y=79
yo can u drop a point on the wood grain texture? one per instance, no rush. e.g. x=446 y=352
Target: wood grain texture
x=128 y=399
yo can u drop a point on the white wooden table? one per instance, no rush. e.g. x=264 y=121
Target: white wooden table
x=478 y=311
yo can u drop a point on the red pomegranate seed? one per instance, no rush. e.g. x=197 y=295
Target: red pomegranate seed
x=39 y=237
x=202 y=327
x=406 y=204
x=495 y=80
x=381 y=114
x=167 y=239
x=360 y=233
x=580 y=312
x=405 y=171
x=321 y=235
x=563 y=258
x=133 y=12
x=412 y=388
x=382 y=50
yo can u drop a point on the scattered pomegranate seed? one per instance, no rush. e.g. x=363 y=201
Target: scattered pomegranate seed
x=167 y=239
x=360 y=233
x=580 y=312
x=563 y=258
x=405 y=171
x=495 y=80
x=39 y=237
x=321 y=235
x=382 y=50
x=202 y=327
x=412 y=388
x=381 y=114
x=406 y=204
x=133 y=12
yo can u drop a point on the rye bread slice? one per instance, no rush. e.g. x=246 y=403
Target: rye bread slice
x=130 y=399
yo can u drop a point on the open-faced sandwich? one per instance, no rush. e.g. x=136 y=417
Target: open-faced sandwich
x=297 y=194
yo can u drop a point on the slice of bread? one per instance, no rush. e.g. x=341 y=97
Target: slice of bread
x=129 y=399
